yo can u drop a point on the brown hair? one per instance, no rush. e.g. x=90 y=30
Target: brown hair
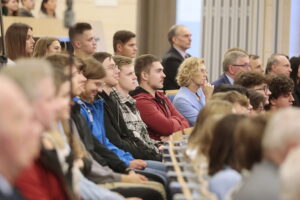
x=122 y=60
x=42 y=45
x=248 y=141
x=211 y=108
x=15 y=40
x=78 y=29
x=280 y=85
x=250 y=79
x=122 y=37
x=92 y=69
x=101 y=56
x=221 y=151
x=232 y=97
x=143 y=64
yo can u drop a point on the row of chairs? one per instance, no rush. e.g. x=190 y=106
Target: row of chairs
x=187 y=181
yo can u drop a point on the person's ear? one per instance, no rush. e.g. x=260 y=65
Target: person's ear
x=272 y=102
x=231 y=70
x=119 y=47
x=144 y=76
x=77 y=44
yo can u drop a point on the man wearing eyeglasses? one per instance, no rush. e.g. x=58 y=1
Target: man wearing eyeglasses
x=234 y=62
x=256 y=81
x=278 y=64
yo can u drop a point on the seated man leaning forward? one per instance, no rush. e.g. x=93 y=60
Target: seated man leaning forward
x=156 y=109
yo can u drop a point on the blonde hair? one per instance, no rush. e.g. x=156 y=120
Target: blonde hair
x=42 y=45
x=211 y=108
x=232 y=97
x=187 y=69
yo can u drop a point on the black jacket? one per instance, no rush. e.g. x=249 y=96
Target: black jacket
x=118 y=133
x=171 y=61
x=100 y=153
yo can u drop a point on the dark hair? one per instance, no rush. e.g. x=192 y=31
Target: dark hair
x=250 y=79
x=295 y=63
x=5 y=9
x=256 y=99
x=226 y=88
x=143 y=64
x=121 y=37
x=93 y=69
x=280 y=85
x=101 y=56
x=78 y=29
x=15 y=40
x=43 y=9
x=221 y=151
x=247 y=141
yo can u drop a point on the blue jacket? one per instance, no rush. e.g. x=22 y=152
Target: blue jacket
x=187 y=104
x=94 y=114
x=222 y=80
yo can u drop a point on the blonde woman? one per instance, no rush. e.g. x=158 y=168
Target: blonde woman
x=194 y=90
x=46 y=46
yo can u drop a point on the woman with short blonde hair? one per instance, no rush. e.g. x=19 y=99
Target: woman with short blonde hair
x=194 y=90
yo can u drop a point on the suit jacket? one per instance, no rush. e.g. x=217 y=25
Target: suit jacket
x=187 y=104
x=171 y=61
x=262 y=184
x=222 y=80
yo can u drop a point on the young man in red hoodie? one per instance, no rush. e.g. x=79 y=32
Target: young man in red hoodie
x=156 y=109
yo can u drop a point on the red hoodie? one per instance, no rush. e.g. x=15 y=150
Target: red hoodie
x=158 y=113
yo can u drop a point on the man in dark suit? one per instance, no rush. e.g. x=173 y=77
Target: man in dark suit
x=233 y=63
x=180 y=39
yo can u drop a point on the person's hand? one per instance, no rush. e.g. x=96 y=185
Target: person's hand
x=138 y=164
x=134 y=178
x=208 y=90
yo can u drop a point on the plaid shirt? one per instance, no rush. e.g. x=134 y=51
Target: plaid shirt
x=133 y=118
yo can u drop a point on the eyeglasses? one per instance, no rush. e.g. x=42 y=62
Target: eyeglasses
x=265 y=89
x=244 y=66
x=203 y=71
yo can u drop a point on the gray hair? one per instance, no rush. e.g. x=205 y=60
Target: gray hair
x=282 y=129
x=28 y=73
x=172 y=32
x=231 y=58
x=273 y=60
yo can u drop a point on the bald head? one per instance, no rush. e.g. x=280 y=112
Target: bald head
x=180 y=37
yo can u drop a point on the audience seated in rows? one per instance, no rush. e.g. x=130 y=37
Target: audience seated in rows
x=194 y=90
x=280 y=137
x=127 y=82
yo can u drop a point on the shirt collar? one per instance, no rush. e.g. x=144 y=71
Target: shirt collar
x=121 y=98
x=182 y=53
x=230 y=79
